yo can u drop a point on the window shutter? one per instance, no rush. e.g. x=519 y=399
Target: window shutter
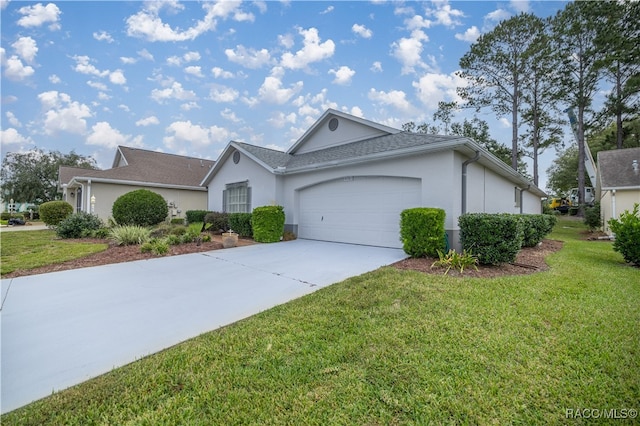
x=224 y=200
x=248 y=199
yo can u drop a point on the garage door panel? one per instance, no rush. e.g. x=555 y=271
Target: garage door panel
x=360 y=210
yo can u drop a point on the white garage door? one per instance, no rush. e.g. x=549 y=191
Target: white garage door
x=357 y=210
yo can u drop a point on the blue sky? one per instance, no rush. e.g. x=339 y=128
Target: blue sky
x=188 y=77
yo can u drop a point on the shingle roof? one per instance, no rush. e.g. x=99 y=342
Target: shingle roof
x=616 y=169
x=353 y=150
x=147 y=167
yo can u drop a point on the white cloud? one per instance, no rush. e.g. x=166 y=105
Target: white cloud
x=14 y=69
x=4 y=4
x=327 y=10
x=272 y=91
x=249 y=58
x=286 y=40
x=180 y=132
x=176 y=91
x=128 y=60
x=194 y=70
x=62 y=114
x=362 y=31
x=97 y=85
x=220 y=73
x=220 y=93
x=376 y=66
x=188 y=106
x=191 y=56
x=37 y=15
x=230 y=115
x=433 y=88
x=280 y=119
x=471 y=35
x=492 y=19
x=149 y=121
x=144 y=54
x=417 y=22
x=343 y=75
x=13 y=120
x=117 y=77
x=148 y=25
x=102 y=134
x=26 y=48
x=84 y=66
x=11 y=136
x=395 y=98
x=505 y=122
x=312 y=51
x=53 y=78
x=444 y=14
x=103 y=36
x=409 y=51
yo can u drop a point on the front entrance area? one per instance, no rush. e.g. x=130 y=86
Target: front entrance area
x=357 y=209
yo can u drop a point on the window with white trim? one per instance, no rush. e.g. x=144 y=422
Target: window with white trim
x=236 y=198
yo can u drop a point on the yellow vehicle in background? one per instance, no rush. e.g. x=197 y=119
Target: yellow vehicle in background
x=560 y=204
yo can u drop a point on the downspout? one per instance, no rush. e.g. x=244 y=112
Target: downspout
x=521 y=198
x=464 y=181
x=613 y=204
x=86 y=207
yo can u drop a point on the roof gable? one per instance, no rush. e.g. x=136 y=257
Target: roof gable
x=616 y=169
x=335 y=128
x=145 y=167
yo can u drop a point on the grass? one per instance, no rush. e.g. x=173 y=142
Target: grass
x=396 y=347
x=31 y=249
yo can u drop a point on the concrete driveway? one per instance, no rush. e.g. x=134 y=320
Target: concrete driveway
x=62 y=328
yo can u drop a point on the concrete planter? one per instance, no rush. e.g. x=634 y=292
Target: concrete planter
x=229 y=239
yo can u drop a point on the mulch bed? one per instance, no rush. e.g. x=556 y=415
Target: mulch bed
x=528 y=261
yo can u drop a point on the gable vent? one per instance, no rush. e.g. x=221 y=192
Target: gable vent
x=333 y=124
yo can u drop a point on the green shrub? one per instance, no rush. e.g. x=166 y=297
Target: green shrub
x=173 y=240
x=627 y=230
x=179 y=230
x=177 y=221
x=159 y=247
x=455 y=260
x=592 y=217
x=191 y=235
x=206 y=238
x=53 y=212
x=267 y=223
x=241 y=224
x=140 y=207
x=193 y=216
x=550 y=221
x=217 y=221
x=126 y=235
x=78 y=225
x=536 y=227
x=422 y=231
x=493 y=238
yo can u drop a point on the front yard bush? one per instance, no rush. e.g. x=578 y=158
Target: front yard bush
x=627 y=230
x=78 y=225
x=268 y=223
x=241 y=223
x=217 y=222
x=140 y=207
x=422 y=231
x=53 y=212
x=536 y=227
x=194 y=216
x=126 y=235
x=592 y=217
x=493 y=238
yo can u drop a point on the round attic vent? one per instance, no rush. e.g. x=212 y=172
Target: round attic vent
x=333 y=124
x=236 y=157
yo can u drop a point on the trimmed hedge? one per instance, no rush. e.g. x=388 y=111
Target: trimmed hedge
x=536 y=227
x=195 y=216
x=241 y=223
x=217 y=221
x=53 y=212
x=422 y=231
x=140 y=207
x=268 y=224
x=493 y=238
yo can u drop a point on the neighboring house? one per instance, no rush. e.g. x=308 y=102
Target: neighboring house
x=618 y=182
x=348 y=179
x=176 y=178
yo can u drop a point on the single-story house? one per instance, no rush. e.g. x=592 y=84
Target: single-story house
x=618 y=182
x=347 y=180
x=177 y=178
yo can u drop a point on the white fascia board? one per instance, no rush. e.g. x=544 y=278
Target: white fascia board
x=621 y=188
x=224 y=156
x=79 y=179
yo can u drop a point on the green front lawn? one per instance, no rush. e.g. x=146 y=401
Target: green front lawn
x=31 y=249
x=396 y=347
